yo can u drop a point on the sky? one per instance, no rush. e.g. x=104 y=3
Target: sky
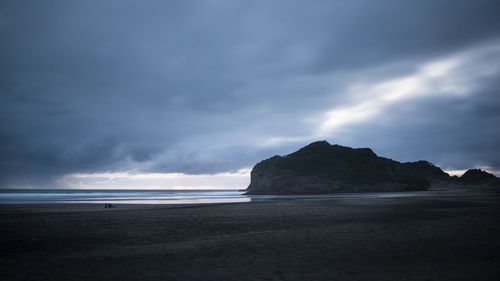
x=192 y=94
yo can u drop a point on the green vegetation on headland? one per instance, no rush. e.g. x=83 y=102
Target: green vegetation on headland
x=323 y=168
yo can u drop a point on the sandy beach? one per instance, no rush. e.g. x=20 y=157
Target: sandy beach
x=448 y=235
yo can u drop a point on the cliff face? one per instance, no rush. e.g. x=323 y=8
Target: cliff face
x=324 y=168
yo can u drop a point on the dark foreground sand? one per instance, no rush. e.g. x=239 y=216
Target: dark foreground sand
x=447 y=236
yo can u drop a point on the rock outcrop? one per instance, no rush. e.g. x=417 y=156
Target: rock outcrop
x=323 y=168
x=479 y=177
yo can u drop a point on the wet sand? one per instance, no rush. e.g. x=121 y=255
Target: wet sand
x=446 y=236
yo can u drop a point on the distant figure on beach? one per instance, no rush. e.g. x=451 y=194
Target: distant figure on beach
x=108 y=205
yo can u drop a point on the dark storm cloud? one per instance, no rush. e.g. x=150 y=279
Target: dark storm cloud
x=202 y=86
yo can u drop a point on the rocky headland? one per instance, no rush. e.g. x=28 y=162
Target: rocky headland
x=321 y=168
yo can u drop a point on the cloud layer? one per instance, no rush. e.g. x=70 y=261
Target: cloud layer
x=207 y=87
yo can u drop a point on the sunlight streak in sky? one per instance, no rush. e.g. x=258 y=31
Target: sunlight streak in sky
x=436 y=78
x=451 y=75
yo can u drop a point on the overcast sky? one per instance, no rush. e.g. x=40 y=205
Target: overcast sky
x=106 y=93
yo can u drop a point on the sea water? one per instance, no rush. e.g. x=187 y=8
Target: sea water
x=123 y=196
x=128 y=196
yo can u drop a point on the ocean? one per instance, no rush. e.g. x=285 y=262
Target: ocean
x=123 y=196
x=128 y=196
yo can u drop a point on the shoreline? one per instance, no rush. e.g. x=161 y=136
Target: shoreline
x=66 y=206
x=240 y=198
